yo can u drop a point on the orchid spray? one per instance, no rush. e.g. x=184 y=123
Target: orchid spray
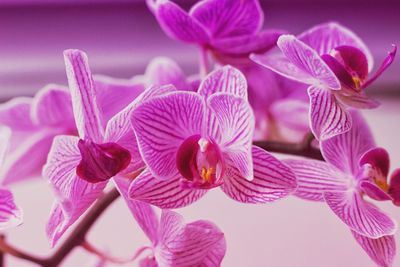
x=162 y=139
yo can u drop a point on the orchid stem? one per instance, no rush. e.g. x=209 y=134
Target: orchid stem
x=204 y=65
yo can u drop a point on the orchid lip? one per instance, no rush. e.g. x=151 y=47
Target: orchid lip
x=199 y=161
x=100 y=162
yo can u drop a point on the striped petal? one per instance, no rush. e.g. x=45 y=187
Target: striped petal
x=177 y=23
x=165 y=194
x=52 y=106
x=308 y=60
x=328 y=117
x=57 y=224
x=273 y=180
x=345 y=150
x=190 y=244
x=83 y=93
x=227 y=18
x=314 y=177
x=381 y=250
x=162 y=124
x=224 y=80
x=10 y=214
x=236 y=121
x=163 y=71
x=74 y=194
x=360 y=215
x=327 y=36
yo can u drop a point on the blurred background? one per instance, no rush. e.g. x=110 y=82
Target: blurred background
x=120 y=37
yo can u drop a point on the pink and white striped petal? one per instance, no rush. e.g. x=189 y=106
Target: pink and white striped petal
x=177 y=23
x=74 y=194
x=162 y=124
x=190 y=244
x=381 y=250
x=227 y=18
x=344 y=151
x=236 y=121
x=309 y=61
x=226 y=79
x=165 y=194
x=273 y=180
x=327 y=36
x=328 y=117
x=314 y=177
x=16 y=114
x=10 y=214
x=83 y=93
x=360 y=215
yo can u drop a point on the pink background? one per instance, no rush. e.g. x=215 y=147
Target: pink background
x=120 y=39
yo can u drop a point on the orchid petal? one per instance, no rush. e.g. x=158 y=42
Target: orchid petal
x=186 y=245
x=308 y=60
x=291 y=114
x=74 y=193
x=394 y=188
x=82 y=88
x=386 y=63
x=142 y=212
x=279 y=63
x=236 y=121
x=344 y=151
x=374 y=191
x=224 y=80
x=246 y=44
x=115 y=94
x=36 y=143
x=177 y=23
x=314 y=177
x=16 y=114
x=358 y=100
x=57 y=224
x=381 y=250
x=52 y=106
x=273 y=180
x=226 y=18
x=378 y=158
x=10 y=214
x=163 y=71
x=162 y=124
x=328 y=117
x=327 y=36
x=165 y=194
x=360 y=215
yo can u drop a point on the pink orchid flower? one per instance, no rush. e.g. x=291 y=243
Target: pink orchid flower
x=336 y=64
x=80 y=167
x=226 y=27
x=10 y=214
x=354 y=170
x=192 y=142
x=175 y=243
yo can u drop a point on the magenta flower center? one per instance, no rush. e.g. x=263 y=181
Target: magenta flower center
x=376 y=176
x=101 y=162
x=199 y=161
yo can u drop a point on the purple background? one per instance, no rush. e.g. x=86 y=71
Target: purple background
x=120 y=37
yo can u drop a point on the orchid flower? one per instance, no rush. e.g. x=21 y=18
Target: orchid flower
x=175 y=243
x=36 y=121
x=10 y=214
x=335 y=63
x=354 y=170
x=192 y=142
x=79 y=167
x=226 y=27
